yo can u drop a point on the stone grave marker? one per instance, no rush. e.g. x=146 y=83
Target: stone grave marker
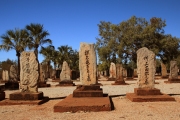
x=29 y=74
x=65 y=76
x=87 y=64
x=112 y=72
x=146 y=92
x=89 y=95
x=66 y=72
x=173 y=70
x=145 y=68
x=13 y=73
x=119 y=75
x=5 y=75
x=173 y=76
x=163 y=70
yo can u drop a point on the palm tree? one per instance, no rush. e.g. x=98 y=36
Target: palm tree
x=38 y=36
x=18 y=40
x=47 y=52
x=64 y=54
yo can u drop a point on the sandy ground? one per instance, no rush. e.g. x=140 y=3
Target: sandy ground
x=123 y=108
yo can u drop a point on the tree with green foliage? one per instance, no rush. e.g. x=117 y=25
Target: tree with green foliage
x=38 y=36
x=64 y=53
x=119 y=43
x=47 y=52
x=18 y=40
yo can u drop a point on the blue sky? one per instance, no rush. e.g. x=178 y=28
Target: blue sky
x=70 y=22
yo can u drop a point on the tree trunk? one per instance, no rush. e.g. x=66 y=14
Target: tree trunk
x=18 y=56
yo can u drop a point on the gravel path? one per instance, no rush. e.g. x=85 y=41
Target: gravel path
x=124 y=109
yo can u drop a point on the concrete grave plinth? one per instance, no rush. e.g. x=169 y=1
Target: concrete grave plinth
x=172 y=81
x=21 y=98
x=117 y=82
x=26 y=96
x=88 y=96
x=146 y=92
x=88 y=91
x=75 y=104
x=66 y=83
x=148 y=95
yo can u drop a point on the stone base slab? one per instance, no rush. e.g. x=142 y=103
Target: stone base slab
x=66 y=83
x=148 y=95
x=119 y=83
x=74 y=104
x=24 y=102
x=88 y=91
x=2 y=95
x=172 y=81
x=26 y=96
x=111 y=79
x=147 y=91
x=149 y=98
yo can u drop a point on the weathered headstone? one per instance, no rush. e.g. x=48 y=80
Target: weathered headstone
x=135 y=73
x=146 y=68
x=29 y=78
x=124 y=72
x=65 y=76
x=173 y=70
x=41 y=74
x=119 y=75
x=29 y=74
x=13 y=73
x=5 y=75
x=87 y=64
x=173 y=76
x=146 y=72
x=42 y=82
x=66 y=72
x=112 y=72
x=163 y=70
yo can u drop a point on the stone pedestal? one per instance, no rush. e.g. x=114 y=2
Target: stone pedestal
x=172 y=81
x=43 y=84
x=26 y=96
x=66 y=83
x=75 y=104
x=119 y=83
x=148 y=95
x=19 y=98
x=111 y=79
x=88 y=91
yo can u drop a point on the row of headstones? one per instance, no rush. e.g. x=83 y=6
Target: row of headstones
x=12 y=76
x=88 y=68
x=114 y=71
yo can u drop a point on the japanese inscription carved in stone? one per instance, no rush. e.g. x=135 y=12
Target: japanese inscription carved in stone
x=28 y=72
x=87 y=64
x=146 y=68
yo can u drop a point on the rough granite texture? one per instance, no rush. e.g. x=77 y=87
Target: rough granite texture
x=87 y=64
x=29 y=72
x=146 y=68
x=66 y=72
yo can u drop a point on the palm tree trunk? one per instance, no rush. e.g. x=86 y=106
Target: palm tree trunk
x=18 y=56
